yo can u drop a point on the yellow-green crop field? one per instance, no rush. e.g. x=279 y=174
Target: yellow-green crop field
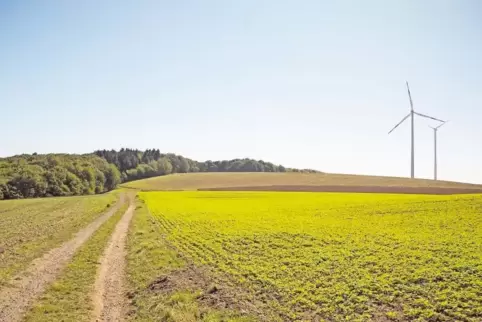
x=337 y=257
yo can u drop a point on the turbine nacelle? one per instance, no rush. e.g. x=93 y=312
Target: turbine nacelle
x=419 y=114
x=437 y=127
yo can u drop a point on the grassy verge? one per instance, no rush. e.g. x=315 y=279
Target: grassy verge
x=150 y=257
x=69 y=298
x=31 y=227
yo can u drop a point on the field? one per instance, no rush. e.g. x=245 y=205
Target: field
x=266 y=181
x=68 y=298
x=244 y=255
x=307 y=256
x=29 y=228
x=150 y=260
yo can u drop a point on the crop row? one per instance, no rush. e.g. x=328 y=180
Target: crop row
x=336 y=256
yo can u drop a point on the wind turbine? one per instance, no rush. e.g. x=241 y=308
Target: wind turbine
x=412 y=117
x=435 y=149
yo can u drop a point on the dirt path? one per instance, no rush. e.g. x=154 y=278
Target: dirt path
x=24 y=288
x=109 y=296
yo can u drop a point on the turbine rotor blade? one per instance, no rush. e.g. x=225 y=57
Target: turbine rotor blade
x=410 y=97
x=429 y=117
x=406 y=117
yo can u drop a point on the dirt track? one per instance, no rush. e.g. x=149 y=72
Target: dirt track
x=21 y=292
x=341 y=188
x=109 y=295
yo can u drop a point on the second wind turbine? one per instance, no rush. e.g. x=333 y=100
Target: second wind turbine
x=412 y=117
x=435 y=129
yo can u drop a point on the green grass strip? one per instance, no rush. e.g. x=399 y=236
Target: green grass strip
x=69 y=298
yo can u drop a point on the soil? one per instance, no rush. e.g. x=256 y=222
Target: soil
x=342 y=188
x=19 y=294
x=213 y=293
x=110 y=301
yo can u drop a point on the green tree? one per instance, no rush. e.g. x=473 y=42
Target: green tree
x=87 y=175
x=112 y=177
x=99 y=181
x=164 y=166
x=74 y=184
x=132 y=174
x=28 y=185
x=183 y=165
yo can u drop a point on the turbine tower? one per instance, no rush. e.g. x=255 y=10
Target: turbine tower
x=412 y=116
x=435 y=149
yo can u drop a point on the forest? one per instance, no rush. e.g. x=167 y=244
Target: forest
x=29 y=176
x=35 y=175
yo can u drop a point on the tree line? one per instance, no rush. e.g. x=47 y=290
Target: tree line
x=135 y=164
x=29 y=176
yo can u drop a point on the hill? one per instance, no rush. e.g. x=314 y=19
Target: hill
x=136 y=164
x=300 y=182
x=29 y=176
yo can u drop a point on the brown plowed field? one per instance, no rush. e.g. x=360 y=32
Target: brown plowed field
x=319 y=182
x=366 y=189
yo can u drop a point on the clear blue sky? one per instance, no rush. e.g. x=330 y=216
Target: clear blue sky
x=313 y=84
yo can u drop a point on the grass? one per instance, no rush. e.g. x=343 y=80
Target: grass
x=149 y=257
x=69 y=297
x=31 y=227
x=308 y=256
x=195 y=181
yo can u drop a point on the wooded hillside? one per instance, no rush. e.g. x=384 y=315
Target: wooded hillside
x=136 y=164
x=28 y=176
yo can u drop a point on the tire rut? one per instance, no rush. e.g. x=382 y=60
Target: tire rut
x=21 y=292
x=110 y=302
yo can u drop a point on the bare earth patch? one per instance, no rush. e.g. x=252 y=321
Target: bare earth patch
x=20 y=293
x=213 y=294
x=109 y=298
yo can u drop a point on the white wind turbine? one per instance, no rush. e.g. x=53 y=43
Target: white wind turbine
x=412 y=116
x=435 y=149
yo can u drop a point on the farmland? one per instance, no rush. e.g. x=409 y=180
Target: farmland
x=247 y=255
x=307 y=256
x=29 y=228
x=150 y=259
x=69 y=297
x=295 y=181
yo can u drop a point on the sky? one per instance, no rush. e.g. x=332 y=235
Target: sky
x=307 y=84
